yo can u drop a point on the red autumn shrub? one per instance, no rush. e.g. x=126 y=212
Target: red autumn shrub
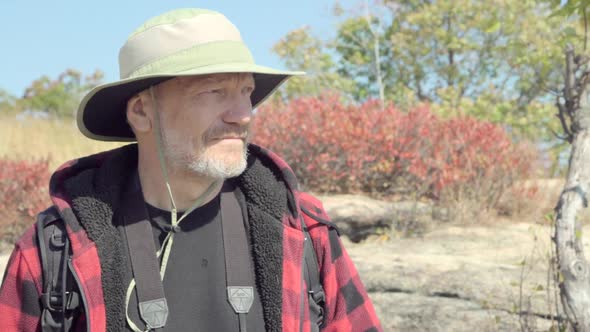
x=23 y=193
x=338 y=148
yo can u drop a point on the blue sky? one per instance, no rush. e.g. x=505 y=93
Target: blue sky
x=45 y=37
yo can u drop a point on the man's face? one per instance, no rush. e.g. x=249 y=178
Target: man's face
x=204 y=122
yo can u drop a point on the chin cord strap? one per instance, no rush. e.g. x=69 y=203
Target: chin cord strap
x=169 y=239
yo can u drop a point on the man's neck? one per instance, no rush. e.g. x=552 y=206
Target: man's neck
x=186 y=187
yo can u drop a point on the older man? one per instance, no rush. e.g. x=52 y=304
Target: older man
x=192 y=228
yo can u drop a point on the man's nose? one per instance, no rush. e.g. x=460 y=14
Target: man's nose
x=240 y=112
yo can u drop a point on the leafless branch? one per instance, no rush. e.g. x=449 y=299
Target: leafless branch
x=558 y=136
x=377 y=55
x=570 y=78
x=561 y=115
x=581 y=60
x=585 y=28
x=553 y=92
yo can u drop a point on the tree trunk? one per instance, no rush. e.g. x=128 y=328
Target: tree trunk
x=377 y=54
x=574 y=280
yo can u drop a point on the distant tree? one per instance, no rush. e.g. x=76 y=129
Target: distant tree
x=300 y=50
x=364 y=50
x=491 y=59
x=495 y=60
x=7 y=102
x=61 y=96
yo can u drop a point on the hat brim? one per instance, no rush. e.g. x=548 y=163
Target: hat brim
x=102 y=113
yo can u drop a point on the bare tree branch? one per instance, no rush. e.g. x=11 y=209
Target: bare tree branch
x=585 y=28
x=377 y=55
x=561 y=115
x=570 y=78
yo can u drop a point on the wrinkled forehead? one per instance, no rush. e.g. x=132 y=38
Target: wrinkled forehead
x=186 y=85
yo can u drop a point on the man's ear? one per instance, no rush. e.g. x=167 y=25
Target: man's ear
x=137 y=117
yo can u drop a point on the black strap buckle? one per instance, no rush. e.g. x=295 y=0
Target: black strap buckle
x=319 y=297
x=58 y=240
x=53 y=301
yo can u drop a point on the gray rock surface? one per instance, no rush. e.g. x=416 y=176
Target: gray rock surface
x=358 y=217
x=3 y=262
x=460 y=279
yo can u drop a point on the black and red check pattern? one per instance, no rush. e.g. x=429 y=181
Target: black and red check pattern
x=348 y=307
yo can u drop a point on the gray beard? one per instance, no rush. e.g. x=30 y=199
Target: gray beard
x=201 y=164
x=218 y=169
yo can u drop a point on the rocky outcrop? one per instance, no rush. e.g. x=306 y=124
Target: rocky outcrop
x=491 y=278
x=358 y=217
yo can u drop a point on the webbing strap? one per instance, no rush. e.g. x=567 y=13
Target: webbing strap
x=43 y=253
x=238 y=267
x=59 y=298
x=153 y=308
x=317 y=297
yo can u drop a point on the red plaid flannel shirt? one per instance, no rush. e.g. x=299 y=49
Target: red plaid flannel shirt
x=348 y=307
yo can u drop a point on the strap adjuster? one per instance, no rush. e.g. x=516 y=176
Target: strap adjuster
x=319 y=297
x=58 y=240
x=53 y=301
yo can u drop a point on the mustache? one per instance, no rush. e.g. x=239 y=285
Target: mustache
x=226 y=131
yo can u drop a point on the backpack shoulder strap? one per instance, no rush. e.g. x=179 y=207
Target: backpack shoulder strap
x=315 y=290
x=59 y=298
x=313 y=215
x=44 y=219
x=312 y=207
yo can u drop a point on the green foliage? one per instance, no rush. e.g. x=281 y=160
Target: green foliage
x=494 y=60
x=573 y=9
x=569 y=7
x=354 y=45
x=302 y=51
x=491 y=59
x=7 y=101
x=58 y=97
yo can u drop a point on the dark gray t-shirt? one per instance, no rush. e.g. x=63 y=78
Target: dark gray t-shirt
x=195 y=279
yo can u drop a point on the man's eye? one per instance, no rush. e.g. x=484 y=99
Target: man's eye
x=248 y=89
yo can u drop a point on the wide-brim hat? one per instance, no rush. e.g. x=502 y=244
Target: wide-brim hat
x=183 y=42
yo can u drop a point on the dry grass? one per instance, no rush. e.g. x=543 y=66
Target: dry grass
x=58 y=140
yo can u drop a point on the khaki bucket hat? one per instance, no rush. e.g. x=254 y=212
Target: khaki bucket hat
x=183 y=42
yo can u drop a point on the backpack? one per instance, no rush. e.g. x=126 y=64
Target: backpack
x=61 y=299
